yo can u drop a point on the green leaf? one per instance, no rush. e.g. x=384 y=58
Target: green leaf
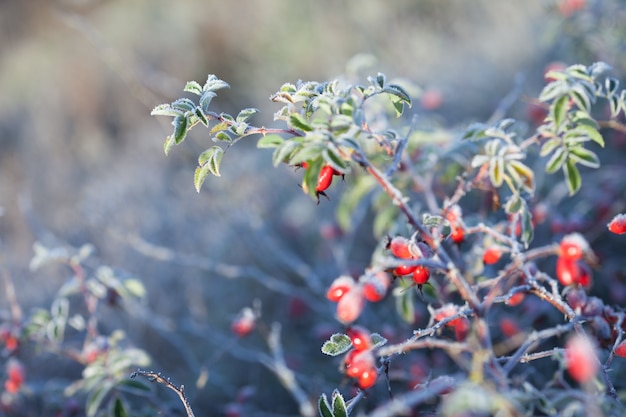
x=405 y=306
x=180 y=128
x=96 y=397
x=585 y=157
x=222 y=137
x=399 y=92
x=549 y=146
x=475 y=131
x=118 y=408
x=614 y=103
x=297 y=121
x=311 y=176
x=246 y=114
x=339 y=405
x=379 y=80
x=332 y=158
x=377 y=340
x=556 y=161
x=572 y=177
x=193 y=87
x=205 y=101
x=558 y=110
x=200 y=115
x=270 y=141
x=398 y=106
x=213 y=84
x=611 y=85
x=592 y=133
x=553 y=89
x=166 y=110
x=283 y=152
x=200 y=176
x=527 y=227
x=513 y=204
x=581 y=100
x=184 y=104
x=169 y=143
x=323 y=407
x=338 y=344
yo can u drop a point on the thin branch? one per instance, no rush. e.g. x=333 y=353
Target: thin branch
x=156 y=377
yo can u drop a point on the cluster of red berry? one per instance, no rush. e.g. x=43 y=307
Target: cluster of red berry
x=570 y=265
x=404 y=248
x=351 y=295
x=360 y=363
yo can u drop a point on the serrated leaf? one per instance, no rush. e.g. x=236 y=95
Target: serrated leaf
x=572 y=176
x=270 y=141
x=193 y=87
x=429 y=220
x=323 y=406
x=166 y=110
x=592 y=133
x=339 y=405
x=377 y=340
x=169 y=143
x=200 y=175
x=246 y=114
x=399 y=92
x=338 y=344
x=205 y=101
x=222 y=137
x=584 y=157
x=284 y=151
x=556 y=161
x=213 y=84
x=200 y=115
x=398 y=106
x=180 y=128
x=558 y=110
x=513 y=204
x=553 y=89
x=332 y=158
x=549 y=146
x=297 y=121
x=184 y=104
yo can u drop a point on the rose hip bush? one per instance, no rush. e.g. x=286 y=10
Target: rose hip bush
x=455 y=214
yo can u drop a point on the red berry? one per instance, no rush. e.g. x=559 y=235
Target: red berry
x=351 y=305
x=618 y=224
x=403 y=270
x=421 y=275
x=358 y=361
x=325 y=178
x=620 y=350
x=567 y=271
x=580 y=358
x=400 y=247
x=244 y=323
x=368 y=378
x=570 y=250
x=509 y=327
x=461 y=328
x=15 y=376
x=492 y=255
x=339 y=288
x=516 y=299
x=375 y=287
x=431 y=99
x=360 y=338
x=457 y=235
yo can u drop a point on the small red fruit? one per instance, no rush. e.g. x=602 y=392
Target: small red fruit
x=618 y=224
x=421 y=274
x=358 y=361
x=244 y=323
x=339 y=287
x=457 y=235
x=492 y=255
x=368 y=378
x=15 y=376
x=509 y=327
x=620 y=350
x=461 y=328
x=325 y=178
x=360 y=338
x=375 y=287
x=567 y=271
x=400 y=247
x=580 y=358
x=516 y=299
x=351 y=305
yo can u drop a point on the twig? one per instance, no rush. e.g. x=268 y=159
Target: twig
x=156 y=377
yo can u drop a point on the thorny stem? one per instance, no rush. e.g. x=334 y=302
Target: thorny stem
x=399 y=200
x=156 y=377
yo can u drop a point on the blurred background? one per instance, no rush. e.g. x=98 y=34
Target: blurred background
x=81 y=159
